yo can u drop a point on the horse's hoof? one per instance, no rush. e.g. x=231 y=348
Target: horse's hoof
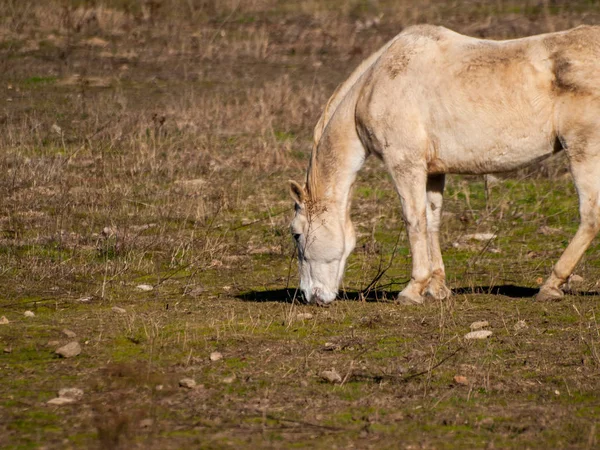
x=406 y=299
x=438 y=290
x=549 y=294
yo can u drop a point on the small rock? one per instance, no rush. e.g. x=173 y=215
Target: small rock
x=460 y=379
x=84 y=299
x=331 y=346
x=557 y=392
x=69 y=350
x=188 y=383
x=67 y=396
x=29 y=314
x=69 y=333
x=575 y=279
x=4 y=320
x=144 y=287
x=520 y=325
x=332 y=376
x=146 y=423
x=396 y=417
x=479 y=236
x=216 y=356
x=7 y=350
x=479 y=334
x=118 y=310
x=230 y=379
x=74 y=393
x=479 y=325
x=548 y=231
x=59 y=401
x=304 y=316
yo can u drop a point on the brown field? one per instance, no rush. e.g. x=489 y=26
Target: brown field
x=150 y=143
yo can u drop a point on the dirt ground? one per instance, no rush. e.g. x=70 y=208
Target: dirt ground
x=145 y=148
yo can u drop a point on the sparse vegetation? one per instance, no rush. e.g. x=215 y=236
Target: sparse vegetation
x=149 y=142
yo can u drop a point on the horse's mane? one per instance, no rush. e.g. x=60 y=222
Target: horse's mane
x=332 y=104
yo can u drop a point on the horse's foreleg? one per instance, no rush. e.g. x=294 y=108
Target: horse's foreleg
x=586 y=176
x=411 y=186
x=435 y=191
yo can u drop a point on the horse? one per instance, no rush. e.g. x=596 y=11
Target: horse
x=433 y=102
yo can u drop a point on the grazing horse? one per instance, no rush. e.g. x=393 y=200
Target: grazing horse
x=432 y=102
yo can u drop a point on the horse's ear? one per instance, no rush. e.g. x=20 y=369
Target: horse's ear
x=298 y=192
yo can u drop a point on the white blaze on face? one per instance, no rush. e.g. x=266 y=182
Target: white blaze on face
x=323 y=244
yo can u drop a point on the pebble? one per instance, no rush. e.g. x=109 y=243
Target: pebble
x=479 y=236
x=461 y=379
x=331 y=346
x=7 y=350
x=479 y=334
x=145 y=287
x=118 y=310
x=188 y=383
x=304 y=316
x=69 y=350
x=216 y=356
x=575 y=279
x=332 y=376
x=74 y=393
x=479 y=325
x=4 y=320
x=69 y=333
x=84 y=299
x=520 y=325
x=230 y=379
x=59 y=401
x=67 y=396
x=146 y=423
x=29 y=314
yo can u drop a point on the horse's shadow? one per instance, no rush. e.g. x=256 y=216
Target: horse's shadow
x=376 y=295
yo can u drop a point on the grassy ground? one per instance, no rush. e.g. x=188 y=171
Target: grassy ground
x=149 y=143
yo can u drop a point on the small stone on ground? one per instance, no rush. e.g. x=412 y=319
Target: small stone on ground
x=520 y=325
x=304 y=316
x=146 y=423
x=332 y=376
x=216 y=356
x=479 y=334
x=145 y=287
x=479 y=325
x=69 y=333
x=461 y=379
x=74 y=393
x=29 y=314
x=118 y=310
x=230 y=379
x=69 y=350
x=188 y=383
x=67 y=396
x=4 y=320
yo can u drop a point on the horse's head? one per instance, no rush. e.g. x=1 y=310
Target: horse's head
x=324 y=237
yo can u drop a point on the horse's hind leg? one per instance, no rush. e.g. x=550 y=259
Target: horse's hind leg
x=435 y=191
x=585 y=167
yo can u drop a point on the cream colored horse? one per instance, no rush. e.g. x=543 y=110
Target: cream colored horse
x=432 y=102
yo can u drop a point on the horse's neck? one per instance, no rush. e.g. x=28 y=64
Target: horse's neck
x=335 y=162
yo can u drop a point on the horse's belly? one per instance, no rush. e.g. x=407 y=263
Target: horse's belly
x=500 y=147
